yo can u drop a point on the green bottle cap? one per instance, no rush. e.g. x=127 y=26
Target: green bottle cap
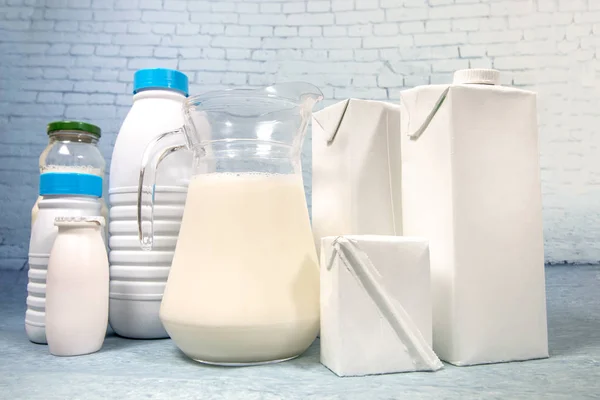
x=73 y=126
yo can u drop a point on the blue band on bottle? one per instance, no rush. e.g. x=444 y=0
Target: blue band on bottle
x=70 y=183
x=160 y=78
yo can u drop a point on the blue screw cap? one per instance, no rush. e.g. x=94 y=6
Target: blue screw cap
x=160 y=78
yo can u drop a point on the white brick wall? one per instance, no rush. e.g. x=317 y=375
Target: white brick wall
x=76 y=58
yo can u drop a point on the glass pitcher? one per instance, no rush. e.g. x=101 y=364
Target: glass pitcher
x=244 y=283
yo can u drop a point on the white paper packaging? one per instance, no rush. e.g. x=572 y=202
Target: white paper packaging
x=471 y=185
x=376 y=305
x=356 y=169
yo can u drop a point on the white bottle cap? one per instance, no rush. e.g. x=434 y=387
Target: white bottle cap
x=476 y=76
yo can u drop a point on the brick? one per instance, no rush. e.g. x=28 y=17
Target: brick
x=360 y=30
x=270 y=8
x=264 y=55
x=214 y=54
x=335 y=31
x=394 y=41
x=578 y=18
x=337 y=43
x=572 y=5
x=341 y=55
x=115 y=27
x=500 y=49
x=106 y=75
x=250 y=66
x=198 y=5
x=140 y=39
x=247 y=8
x=262 y=19
x=128 y=5
x=163 y=29
x=577 y=31
x=495 y=37
x=68 y=14
x=222 y=6
x=438 y=26
x=82 y=49
x=293 y=7
x=468 y=50
x=366 y=54
x=286 y=43
x=40 y=110
x=412 y=27
x=209 y=78
x=511 y=8
x=236 y=42
x=151 y=4
x=467 y=24
x=55 y=73
x=50 y=61
x=218 y=18
x=92 y=113
x=406 y=14
x=165 y=16
x=192 y=52
x=234 y=78
x=359 y=17
x=78 y=74
x=141 y=63
x=102 y=62
x=203 y=65
x=449 y=65
x=101 y=99
x=212 y=29
x=165 y=52
x=315 y=55
x=16 y=25
x=100 y=87
x=112 y=16
x=386 y=29
x=139 y=27
x=42 y=25
x=136 y=51
x=238 y=54
x=237 y=30
x=58 y=49
x=366 y=4
x=310 y=31
x=372 y=93
x=310 y=19
x=175 y=5
x=364 y=81
x=87 y=26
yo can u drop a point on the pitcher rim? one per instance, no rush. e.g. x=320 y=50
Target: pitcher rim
x=262 y=92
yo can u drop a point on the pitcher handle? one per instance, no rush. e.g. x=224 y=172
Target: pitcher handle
x=154 y=153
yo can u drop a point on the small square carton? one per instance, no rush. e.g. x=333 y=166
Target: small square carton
x=376 y=305
x=471 y=185
x=356 y=169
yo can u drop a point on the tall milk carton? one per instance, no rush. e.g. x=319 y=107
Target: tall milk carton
x=471 y=185
x=356 y=169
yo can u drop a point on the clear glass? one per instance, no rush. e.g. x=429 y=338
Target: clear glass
x=72 y=151
x=244 y=283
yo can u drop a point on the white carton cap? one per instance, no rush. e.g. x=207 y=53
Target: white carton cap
x=476 y=76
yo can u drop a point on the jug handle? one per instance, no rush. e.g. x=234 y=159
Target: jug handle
x=154 y=153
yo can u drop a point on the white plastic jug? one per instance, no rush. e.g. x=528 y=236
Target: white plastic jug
x=138 y=278
x=63 y=195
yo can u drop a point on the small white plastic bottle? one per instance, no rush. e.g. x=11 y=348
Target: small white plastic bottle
x=63 y=195
x=138 y=277
x=77 y=287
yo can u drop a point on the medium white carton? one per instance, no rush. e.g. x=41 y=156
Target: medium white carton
x=471 y=185
x=356 y=169
x=376 y=305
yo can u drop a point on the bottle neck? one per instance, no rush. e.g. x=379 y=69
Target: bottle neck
x=72 y=136
x=145 y=94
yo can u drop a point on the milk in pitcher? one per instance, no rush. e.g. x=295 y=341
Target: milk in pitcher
x=256 y=279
